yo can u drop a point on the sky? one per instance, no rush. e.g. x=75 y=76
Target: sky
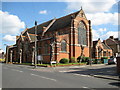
x=16 y=16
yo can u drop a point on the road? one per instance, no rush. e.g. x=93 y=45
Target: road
x=14 y=76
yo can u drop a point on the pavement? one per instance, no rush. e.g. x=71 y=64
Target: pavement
x=99 y=71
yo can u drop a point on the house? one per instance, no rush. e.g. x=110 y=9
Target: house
x=64 y=37
x=1 y=54
x=101 y=49
x=114 y=44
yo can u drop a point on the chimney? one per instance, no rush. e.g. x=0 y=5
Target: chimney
x=111 y=37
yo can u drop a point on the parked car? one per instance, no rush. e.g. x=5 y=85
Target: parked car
x=112 y=61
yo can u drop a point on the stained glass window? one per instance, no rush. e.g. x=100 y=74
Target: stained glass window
x=63 y=46
x=82 y=34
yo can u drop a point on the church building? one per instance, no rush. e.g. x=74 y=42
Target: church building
x=64 y=37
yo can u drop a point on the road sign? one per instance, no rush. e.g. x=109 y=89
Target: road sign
x=40 y=57
x=53 y=62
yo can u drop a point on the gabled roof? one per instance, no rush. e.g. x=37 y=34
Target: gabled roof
x=103 y=44
x=58 y=24
x=62 y=22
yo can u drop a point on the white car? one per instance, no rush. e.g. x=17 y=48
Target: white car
x=112 y=61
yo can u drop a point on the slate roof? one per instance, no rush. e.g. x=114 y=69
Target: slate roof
x=58 y=24
x=39 y=27
x=62 y=22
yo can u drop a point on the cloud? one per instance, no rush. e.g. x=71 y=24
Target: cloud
x=43 y=12
x=95 y=34
x=102 y=34
x=103 y=18
x=95 y=10
x=98 y=33
x=11 y=24
x=90 y=6
x=102 y=29
x=9 y=38
x=110 y=33
x=1 y=51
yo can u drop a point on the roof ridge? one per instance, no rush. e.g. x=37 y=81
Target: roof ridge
x=67 y=15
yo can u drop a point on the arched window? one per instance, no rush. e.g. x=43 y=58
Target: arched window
x=63 y=46
x=46 y=48
x=82 y=34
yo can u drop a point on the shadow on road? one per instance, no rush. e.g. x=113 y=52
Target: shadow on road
x=115 y=84
x=108 y=71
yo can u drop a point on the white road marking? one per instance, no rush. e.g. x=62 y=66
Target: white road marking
x=16 y=70
x=63 y=71
x=84 y=87
x=43 y=77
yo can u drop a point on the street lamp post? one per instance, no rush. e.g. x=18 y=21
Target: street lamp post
x=35 y=44
x=52 y=49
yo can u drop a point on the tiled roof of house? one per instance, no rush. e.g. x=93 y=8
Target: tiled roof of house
x=105 y=46
x=111 y=40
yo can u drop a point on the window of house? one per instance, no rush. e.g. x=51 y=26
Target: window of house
x=82 y=34
x=109 y=53
x=63 y=46
x=104 y=53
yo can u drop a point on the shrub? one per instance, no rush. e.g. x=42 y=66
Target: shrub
x=104 y=58
x=84 y=59
x=73 y=60
x=64 y=60
x=79 y=58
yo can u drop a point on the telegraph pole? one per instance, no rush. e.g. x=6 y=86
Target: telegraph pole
x=35 y=44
